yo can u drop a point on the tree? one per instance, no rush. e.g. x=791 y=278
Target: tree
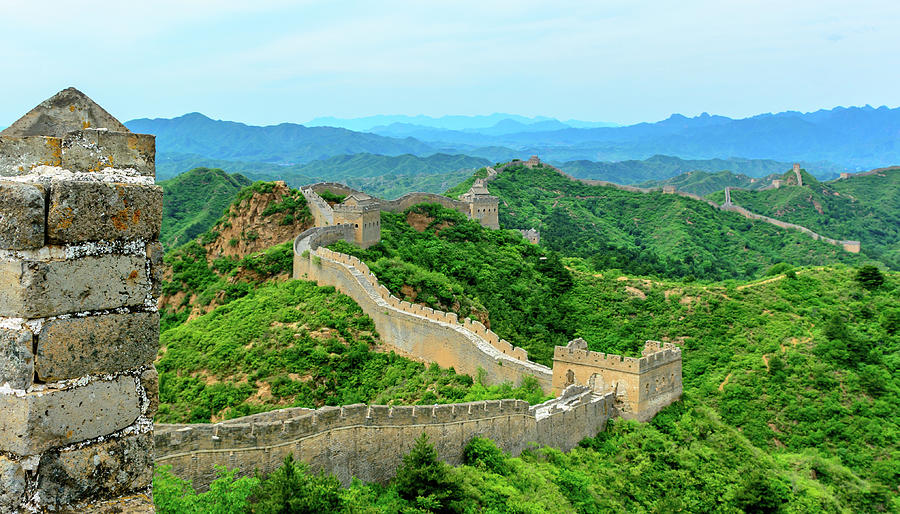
x=870 y=277
x=424 y=480
x=290 y=489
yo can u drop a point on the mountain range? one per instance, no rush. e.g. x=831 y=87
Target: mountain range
x=851 y=138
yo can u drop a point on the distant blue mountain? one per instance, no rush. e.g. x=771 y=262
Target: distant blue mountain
x=851 y=138
x=287 y=143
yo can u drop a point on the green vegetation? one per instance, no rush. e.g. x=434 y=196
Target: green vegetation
x=384 y=176
x=194 y=201
x=868 y=216
x=456 y=264
x=648 y=234
x=295 y=344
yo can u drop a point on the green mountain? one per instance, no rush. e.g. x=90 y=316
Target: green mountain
x=655 y=233
x=702 y=183
x=861 y=208
x=381 y=175
x=661 y=167
x=194 y=201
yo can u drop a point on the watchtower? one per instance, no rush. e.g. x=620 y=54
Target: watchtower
x=482 y=205
x=643 y=386
x=80 y=264
x=364 y=213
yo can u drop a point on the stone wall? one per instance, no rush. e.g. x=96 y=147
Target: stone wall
x=80 y=264
x=414 y=330
x=369 y=441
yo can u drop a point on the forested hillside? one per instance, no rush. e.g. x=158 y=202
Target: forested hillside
x=656 y=233
x=869 y=214
x=789 y=381
x=194 y=201
x=702 y=183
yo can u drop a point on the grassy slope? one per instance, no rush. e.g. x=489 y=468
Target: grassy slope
x=194 y=200
x=648 y=234
x=784 y=408
x=806 y=361
x=868 y=212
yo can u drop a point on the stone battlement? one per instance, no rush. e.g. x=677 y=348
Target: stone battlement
x=80 y=264
x=467 y=345
x=369 y=441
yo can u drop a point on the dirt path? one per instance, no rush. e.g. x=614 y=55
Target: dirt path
x=722 y=385
x=766 y=281
x=766 y=361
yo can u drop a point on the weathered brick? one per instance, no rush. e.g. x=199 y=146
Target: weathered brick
x=95 y=211
x=38 y=288
x=19 y=155
x=94 y=150
x=95 y=472
x=37 y=421
x=77 y=346
x=21 y=215
x=16 y=359
x=150 y=383
x=12 y=485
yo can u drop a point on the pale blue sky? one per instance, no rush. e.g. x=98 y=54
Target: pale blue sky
x=265 y=62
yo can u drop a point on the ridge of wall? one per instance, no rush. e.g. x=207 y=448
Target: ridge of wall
x=420 y=332
x=368 y=441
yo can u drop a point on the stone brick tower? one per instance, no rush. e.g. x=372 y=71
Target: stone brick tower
x=79 y=266
x=482 y=205
x=364 y=213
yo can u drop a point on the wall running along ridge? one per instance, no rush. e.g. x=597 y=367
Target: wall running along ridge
x=369 y=441
x=849 y=246
x=415 y=330
x=80 y=264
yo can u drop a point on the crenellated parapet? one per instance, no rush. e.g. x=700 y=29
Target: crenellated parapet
x=414 y=330
x=369 y=441
x=644 y=384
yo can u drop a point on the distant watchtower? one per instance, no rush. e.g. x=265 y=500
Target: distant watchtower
x=482 y=205
x=364 y=213
x=533 y=162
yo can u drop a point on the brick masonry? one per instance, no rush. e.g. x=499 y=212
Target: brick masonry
x=79 y=274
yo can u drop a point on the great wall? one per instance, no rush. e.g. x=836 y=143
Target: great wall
x=81 y=265
x=368 y=442
x=79 y=329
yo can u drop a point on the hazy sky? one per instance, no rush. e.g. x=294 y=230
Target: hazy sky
x=265 y=62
